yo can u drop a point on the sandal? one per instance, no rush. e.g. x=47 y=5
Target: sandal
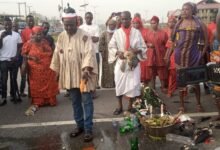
x=117 y=111
x=31 y=110
x=88 y=137
x=76 y=132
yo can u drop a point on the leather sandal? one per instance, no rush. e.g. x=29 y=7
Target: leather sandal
x=88 y=137
x=76 y=132
x=117 y=111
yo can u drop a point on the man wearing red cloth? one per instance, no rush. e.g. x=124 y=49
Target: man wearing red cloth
x=169 y=57
x=156 y=43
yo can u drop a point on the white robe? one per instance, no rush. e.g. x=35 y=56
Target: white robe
x=127 y=83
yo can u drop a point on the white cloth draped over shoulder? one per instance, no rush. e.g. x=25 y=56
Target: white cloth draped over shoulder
x=127 y=83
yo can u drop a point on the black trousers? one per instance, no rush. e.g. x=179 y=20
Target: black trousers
x=12 y=68
x=23 y=77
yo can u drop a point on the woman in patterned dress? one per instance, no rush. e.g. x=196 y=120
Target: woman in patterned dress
x=190 y=38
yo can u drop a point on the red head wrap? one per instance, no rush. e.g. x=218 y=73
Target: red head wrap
x=37 y=29
x=137 y=19
x=155 y=18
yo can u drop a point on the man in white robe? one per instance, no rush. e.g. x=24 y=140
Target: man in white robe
x=127 y=81
x=74 y=61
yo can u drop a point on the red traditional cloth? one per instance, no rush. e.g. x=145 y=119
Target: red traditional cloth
x=144 y=35
x=43 y=85
x=141 y=28
x=169 y=44
x=127 y=34
x=37 y=29
x=26 y=34
x=155 y=18
x=155 y=54
x=211 y=31
x=172 y=67
x=171 y=82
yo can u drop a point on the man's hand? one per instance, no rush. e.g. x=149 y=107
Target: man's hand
x=120 y=54
x=85 y=75
x=95 y=39
x=57 y=77
x=85 y=37
x=14 y=58
x=167 y=61
x=34 y=58
x=4 y=34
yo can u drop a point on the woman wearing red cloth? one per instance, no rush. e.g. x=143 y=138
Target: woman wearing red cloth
x=43 y=84
x=137 y=23
x=169 y=57
x=155 y=65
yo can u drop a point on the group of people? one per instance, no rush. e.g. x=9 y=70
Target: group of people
x=187 y=42
x=131 y=55
x=31 y=52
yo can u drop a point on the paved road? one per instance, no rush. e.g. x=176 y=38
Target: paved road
x=48 y=129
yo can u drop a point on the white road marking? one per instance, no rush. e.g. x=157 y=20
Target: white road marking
x=60 y=123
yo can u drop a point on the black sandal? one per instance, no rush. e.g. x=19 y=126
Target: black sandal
x=117 y=111
x=76 y=132
x=88 y=137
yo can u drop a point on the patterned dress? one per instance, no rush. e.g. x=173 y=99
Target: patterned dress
x=187 y=49
x=107 y=78
x=43 y=85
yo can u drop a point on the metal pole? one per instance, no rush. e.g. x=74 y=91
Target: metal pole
x=25 y=9
x=19 y=9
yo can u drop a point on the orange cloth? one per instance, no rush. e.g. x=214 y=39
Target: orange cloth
x=37 y=29
x=144 y=35
x=141 y=28
x=214 y=55
x=155 y=56
x=172 y=67
x=127 y=34
x=26 y=34
x=43 y=84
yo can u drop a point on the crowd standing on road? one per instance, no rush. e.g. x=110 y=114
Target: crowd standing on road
x=126 y=56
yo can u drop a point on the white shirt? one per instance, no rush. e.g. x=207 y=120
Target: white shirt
x=92 y=30
x=9 y=48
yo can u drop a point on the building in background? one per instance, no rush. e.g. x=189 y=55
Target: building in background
x=207 y=10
